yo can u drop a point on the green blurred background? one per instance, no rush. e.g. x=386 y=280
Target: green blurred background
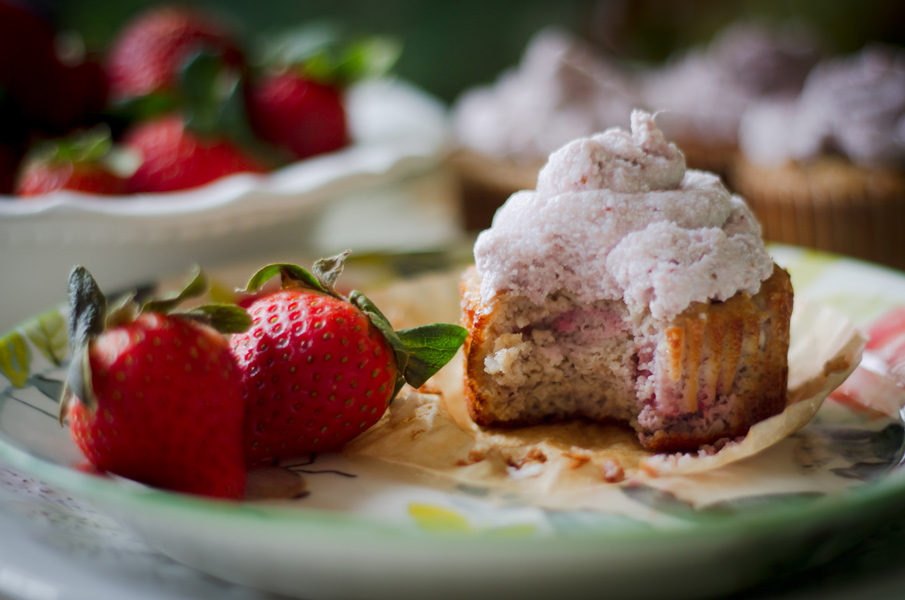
x=450 y=46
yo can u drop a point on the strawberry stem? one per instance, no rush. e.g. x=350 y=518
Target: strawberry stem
x=324 y=53
x=87 y=307
x=328 y=270
x=225 y=318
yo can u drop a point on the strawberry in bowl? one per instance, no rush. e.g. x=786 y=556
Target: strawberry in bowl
x=150 y=51
x=296 y=94
x=302 y=115
x=194 y=107
x=173 y=157
x=83 y=162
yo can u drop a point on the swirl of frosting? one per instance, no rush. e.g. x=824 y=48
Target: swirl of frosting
x=617 y=160
x=618 y=217
x=854 y=105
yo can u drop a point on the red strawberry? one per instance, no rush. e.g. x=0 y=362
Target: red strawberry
x=318 y=368
x=174 y=158
x=297 y=101
x=42 y=178
x=155 y=397
x=149 y=53
x=298 y=114
x=75 y=163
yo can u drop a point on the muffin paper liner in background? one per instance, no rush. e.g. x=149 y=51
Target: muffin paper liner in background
x=487 y=182
x=829 y=205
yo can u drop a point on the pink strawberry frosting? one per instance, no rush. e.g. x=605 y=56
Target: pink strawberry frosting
x=616 y=216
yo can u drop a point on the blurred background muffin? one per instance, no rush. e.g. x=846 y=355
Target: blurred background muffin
x=561 y=89
x=826 y=169
x=702 y=93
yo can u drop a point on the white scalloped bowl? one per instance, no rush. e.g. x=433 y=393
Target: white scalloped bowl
x=393 y=169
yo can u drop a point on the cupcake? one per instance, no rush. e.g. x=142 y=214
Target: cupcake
x=562 y=89
x=826 y=169
x=704 y=91
x=626 y=287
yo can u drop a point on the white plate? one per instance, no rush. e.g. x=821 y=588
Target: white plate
x=400 y=137
x=375 y=530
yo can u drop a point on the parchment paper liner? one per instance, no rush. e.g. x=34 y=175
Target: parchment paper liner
x=432 y=431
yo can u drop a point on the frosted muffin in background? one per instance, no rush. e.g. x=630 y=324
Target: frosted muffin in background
x=702 y=93
x=561 y=89
x=826 y=169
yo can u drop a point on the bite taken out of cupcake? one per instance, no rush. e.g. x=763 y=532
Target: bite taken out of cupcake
x=826 y=169
x=627 y=287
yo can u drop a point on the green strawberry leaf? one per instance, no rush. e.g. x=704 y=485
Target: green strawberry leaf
x=420 y=351
x=195 y=286
x=368 y=58
x=205 y=82
x=87 y=320
x=430 y=347
x=225 y=318
x=323 y=52
x=298 y=44
x=88 y=145
x=78 y=383
x=379 y=320
x=15 y=359
x=291 y=275
x=87 y=308
x=48 y=334
x=122 y=310
x=143 y=108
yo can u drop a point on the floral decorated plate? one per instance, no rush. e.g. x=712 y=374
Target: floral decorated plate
x=375 y=522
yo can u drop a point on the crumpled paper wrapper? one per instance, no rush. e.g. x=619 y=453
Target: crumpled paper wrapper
x=430 y=429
